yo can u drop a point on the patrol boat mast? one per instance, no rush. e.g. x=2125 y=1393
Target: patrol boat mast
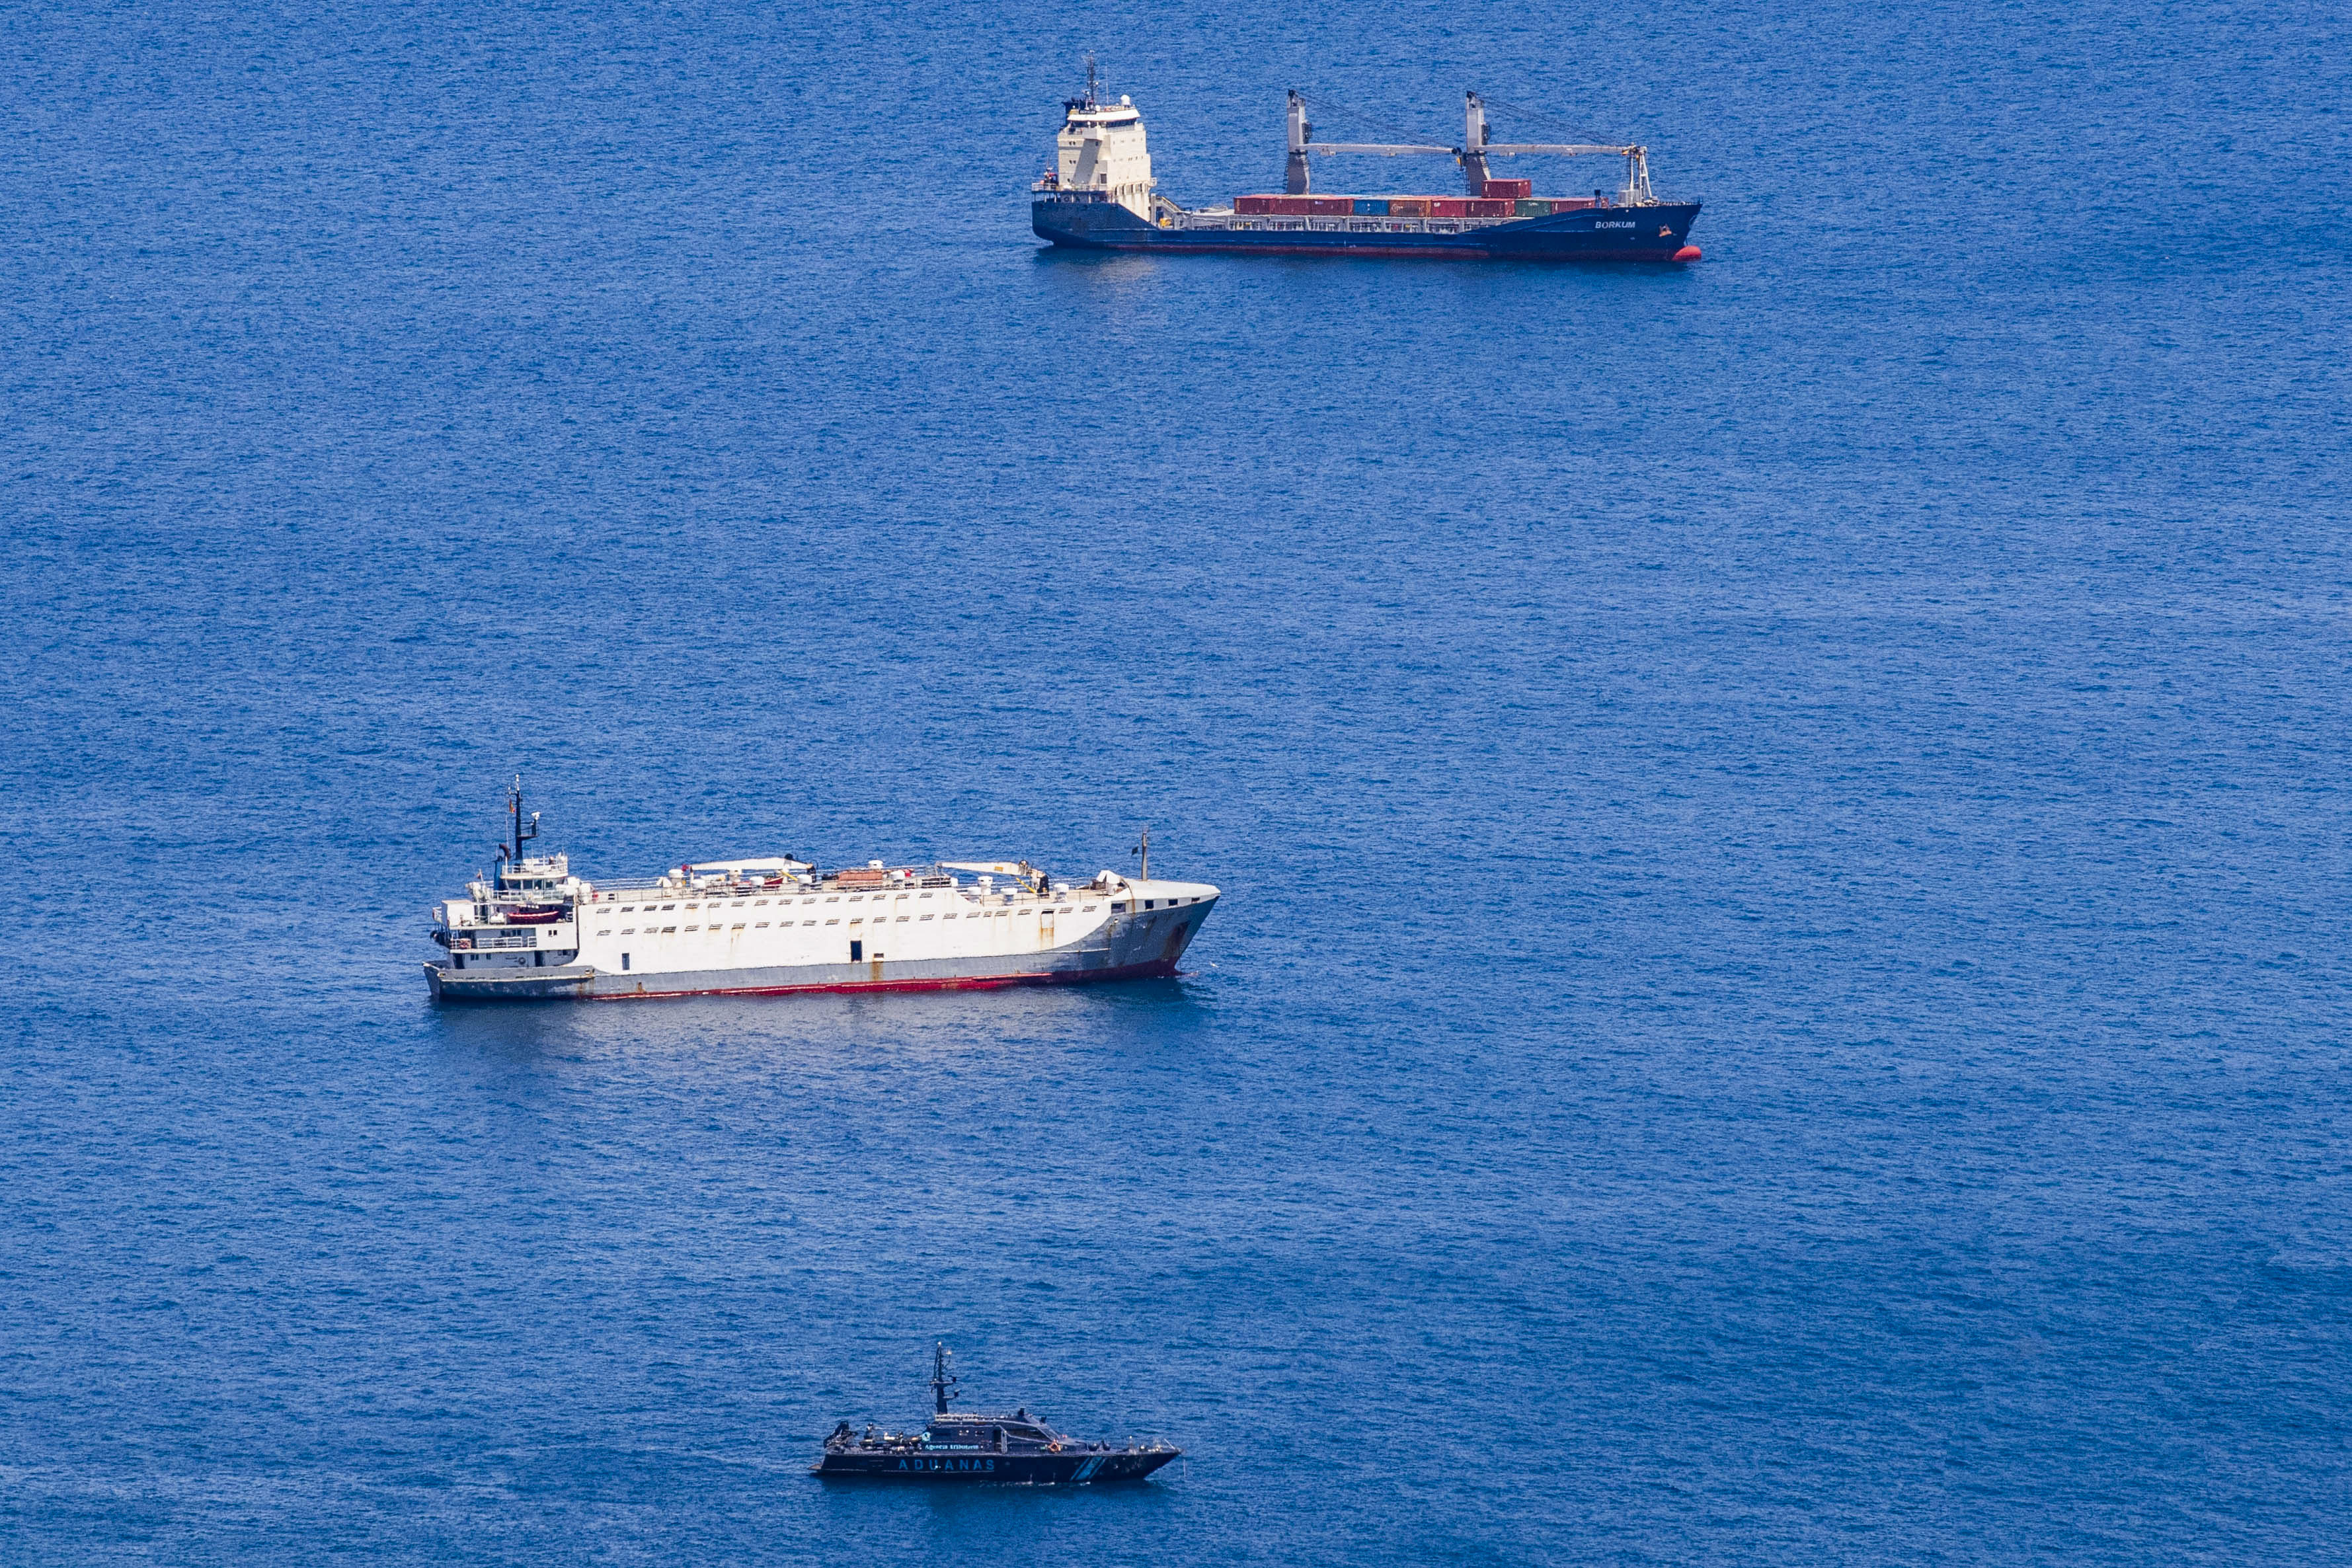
x=942 y=1384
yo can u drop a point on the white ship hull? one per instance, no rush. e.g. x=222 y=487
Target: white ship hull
x=778 y=926
x=1141 y=944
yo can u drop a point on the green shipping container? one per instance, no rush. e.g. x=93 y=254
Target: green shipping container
x=1527 y=209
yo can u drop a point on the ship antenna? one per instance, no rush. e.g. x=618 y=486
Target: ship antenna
x=1143 y=847
x=941 y=1382
x=523 y=835
x=1090 y=78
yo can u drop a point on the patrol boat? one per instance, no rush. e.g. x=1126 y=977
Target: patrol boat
x=776 y=924
x=964 y=1446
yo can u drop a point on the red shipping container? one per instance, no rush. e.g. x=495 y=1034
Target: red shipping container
x=1448 y=206
x=1408 y=206
x=1335 y=206
x=1508 y=190
x=1252 y=205
x=1489 y=209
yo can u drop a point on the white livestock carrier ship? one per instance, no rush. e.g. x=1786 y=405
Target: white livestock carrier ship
x=774 y=925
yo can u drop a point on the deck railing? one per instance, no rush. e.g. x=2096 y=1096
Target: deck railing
x=495 y=939
x=1222 y=222
x=892 y=879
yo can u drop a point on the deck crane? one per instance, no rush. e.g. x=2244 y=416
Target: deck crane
x=1471 y=154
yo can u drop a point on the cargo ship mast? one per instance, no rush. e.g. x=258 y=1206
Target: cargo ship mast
x=1471 y=154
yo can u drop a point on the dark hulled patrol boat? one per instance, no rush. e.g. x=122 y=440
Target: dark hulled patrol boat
x=961 y=1446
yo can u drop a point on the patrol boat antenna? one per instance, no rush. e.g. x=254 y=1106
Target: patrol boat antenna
x=942 y=1384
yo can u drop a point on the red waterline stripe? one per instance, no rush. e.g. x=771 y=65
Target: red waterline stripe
x=1434 y=252
x=1154 y=971
x=1429 y=252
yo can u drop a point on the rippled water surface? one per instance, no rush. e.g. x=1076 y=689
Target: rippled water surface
x=1781 y=990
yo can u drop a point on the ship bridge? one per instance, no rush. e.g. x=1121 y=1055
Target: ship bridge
x=1100 y=153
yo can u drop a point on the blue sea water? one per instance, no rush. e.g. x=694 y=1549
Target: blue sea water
x=1781 y=992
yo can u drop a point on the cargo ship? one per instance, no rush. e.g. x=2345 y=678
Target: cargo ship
x=775 y=925
x=1100 y=195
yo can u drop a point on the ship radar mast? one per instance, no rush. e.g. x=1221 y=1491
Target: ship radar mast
x=523 y=833
x=942 y=1384
x=1092 y=97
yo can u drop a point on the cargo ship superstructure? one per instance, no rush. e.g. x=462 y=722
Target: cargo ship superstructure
x=775 y=924
x=1100 y=195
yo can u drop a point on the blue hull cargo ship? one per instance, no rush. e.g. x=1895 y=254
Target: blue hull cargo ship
x=1100 y=195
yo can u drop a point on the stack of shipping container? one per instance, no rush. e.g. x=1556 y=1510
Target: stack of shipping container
x=1503 y=198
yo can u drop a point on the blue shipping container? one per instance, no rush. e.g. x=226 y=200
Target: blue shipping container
x=1367 y=207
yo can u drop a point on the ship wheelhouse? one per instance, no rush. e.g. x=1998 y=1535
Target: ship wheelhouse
x=525 y=915
x=1101 y=153
x=1015 y=1433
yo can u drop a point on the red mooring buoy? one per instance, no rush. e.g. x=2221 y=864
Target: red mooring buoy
x=1687 y=253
